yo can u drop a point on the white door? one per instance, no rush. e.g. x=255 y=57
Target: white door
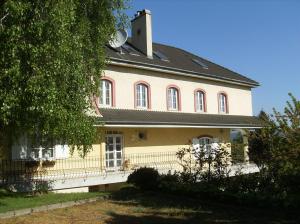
x=113 y=151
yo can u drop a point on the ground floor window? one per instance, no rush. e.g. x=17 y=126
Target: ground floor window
x=25 y=148
x=113 y=150
x=202 y=143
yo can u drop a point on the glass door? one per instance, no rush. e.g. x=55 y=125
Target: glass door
x=113 y=151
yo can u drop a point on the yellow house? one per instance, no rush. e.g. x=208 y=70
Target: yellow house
x=154 y=100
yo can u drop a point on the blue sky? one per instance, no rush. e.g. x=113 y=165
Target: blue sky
x=256 y=38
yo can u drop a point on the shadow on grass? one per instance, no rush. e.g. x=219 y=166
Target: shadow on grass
x=153 y=207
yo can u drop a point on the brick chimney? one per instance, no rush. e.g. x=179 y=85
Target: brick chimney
x=141 y=32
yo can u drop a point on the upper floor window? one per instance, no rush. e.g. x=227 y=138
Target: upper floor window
x=173 y=98
x=200 y=101
x=223 y=103
x=142 y=95
x=105 y=98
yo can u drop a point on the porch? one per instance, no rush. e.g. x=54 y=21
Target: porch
x=24 y=175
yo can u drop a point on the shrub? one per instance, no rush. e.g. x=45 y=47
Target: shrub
x=144 y=178
x=170 y=183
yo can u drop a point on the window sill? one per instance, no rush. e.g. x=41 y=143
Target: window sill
x=142 y=108
x=201 y=112
x=105 y=106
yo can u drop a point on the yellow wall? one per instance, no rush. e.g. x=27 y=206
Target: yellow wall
x=164 y=139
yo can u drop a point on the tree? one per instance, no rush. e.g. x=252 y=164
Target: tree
x=277 y=148
x=52 y=56
x=259 y=141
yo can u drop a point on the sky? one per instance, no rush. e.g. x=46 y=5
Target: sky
x=256 y=38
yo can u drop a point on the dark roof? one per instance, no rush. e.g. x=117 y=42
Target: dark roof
x=144 y=117
x=179 y=60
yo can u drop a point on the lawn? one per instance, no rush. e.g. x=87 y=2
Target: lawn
x=130 y=206
x=13 y=201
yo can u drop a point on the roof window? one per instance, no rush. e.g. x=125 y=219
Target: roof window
x=198 y=62
x=130 y=50
x=160 y=55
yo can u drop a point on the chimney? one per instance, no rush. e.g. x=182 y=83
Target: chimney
x=141 y=32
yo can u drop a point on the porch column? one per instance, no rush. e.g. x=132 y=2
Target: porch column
x=245 y=142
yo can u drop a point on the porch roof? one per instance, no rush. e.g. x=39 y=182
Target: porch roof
x=146 y=118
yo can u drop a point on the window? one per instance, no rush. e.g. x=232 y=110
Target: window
x=173 y=98
x=142 y=95
x=41 y=152
x=160 y=55
x=200 y=101
x=129 y=49
x=113 y=151
x=198 y=62
x=24 y=148
x=223 y=104
x=105 y=98
x=208 y=145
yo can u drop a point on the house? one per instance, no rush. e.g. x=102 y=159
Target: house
x=154 y=100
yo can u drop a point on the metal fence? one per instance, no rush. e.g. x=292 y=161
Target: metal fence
x=13 y=171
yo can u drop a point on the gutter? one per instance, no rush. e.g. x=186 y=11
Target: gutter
x=172 y=126
x=168 y=70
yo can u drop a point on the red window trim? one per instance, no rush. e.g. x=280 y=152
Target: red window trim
x=227 y=104
x=179 y=97
x=204 y=98
x=113 y=92
x=148 y=93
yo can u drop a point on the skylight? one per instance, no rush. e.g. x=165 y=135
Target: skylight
x=130 y=50
x=198 y=62
x=160 y=55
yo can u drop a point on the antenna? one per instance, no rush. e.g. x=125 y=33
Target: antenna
x=119 y=38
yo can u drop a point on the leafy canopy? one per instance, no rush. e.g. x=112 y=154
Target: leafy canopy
x=52 y=55
x=277 y=145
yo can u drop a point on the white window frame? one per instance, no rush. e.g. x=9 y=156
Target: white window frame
x=141 y=96
x=223 y=103
x=173 y=98
x=200 y=101
x=105 y=97
x=204 y=143
x=22 y=149
x=114 y=152
x=41 y=154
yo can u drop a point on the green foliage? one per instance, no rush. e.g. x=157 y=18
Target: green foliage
x=144 y=178
x=260 y=141
x=52 y=56
x=204 y=163
x=276 y=149
x=277 y=146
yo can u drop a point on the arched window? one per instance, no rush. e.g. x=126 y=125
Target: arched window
x=106 y=93
x=205 y=144
x=223 y=103
x=205 y=141
x=173 y=98
x=142 y=95
x=200 y=101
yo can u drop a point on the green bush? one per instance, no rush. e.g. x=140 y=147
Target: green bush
x=170 y=183
x=144 y=178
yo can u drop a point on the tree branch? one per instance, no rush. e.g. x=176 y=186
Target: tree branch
x=3 y=18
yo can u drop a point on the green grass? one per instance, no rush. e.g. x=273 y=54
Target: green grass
x=13 y=201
